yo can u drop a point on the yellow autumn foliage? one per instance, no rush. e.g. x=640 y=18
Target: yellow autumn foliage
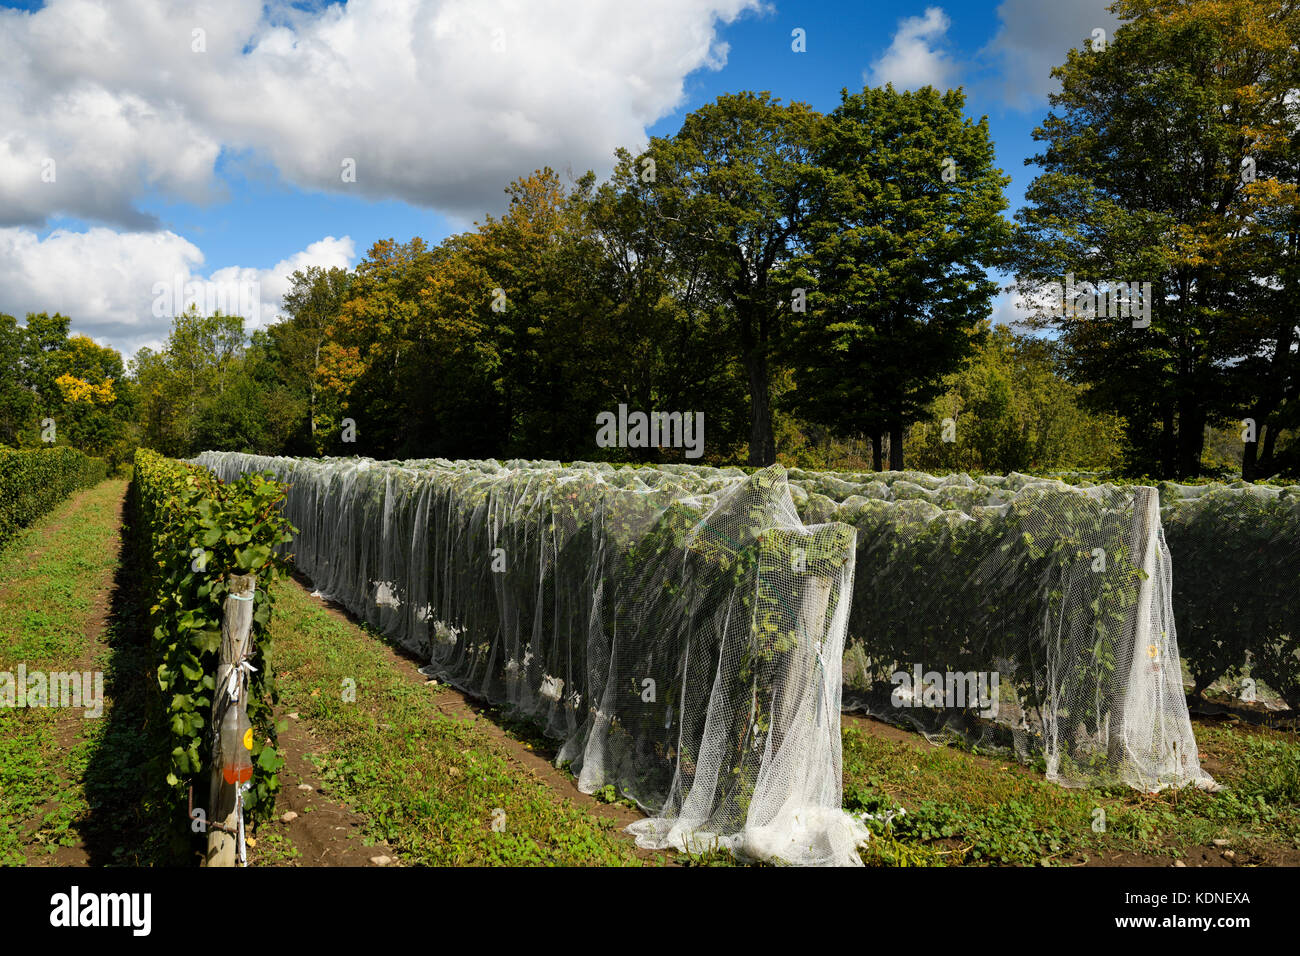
x=76 y=390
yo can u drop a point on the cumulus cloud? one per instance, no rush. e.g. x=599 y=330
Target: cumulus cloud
x=122 y=288
x=915 y=58
x=1015 y=305
x=1009 y=308
x=1034 y=36
x=273 y=283
x=436 y=102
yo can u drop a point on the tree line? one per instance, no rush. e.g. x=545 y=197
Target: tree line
x=818 y=285
x=702 y=276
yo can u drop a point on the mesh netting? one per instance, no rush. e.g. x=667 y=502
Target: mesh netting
x=680 y=629
x=1016 y=612
x=1237 y=592
x=1236 y=547
x=680 y=633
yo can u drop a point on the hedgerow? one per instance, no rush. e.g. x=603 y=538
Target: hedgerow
x=196 y=531
x=32 y=482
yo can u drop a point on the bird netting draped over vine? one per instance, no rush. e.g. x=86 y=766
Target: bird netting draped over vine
x=681 y=636
x=1012 y=612
x=1048 y=604
x=1237 y=593
x=1235 y=549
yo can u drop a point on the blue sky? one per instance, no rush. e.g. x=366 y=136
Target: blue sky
x=207 y=144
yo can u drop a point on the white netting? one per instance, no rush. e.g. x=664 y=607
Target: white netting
x=679 y=629
x=1063 y=592
x=681 y=633
x=1235 y=548
x=1237 y=592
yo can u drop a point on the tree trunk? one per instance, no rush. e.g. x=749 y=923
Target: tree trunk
x=877 y=452
x=1270 y=440
x=762 y=446
x=312 y=412
x=1248 y=457
x=1191 y=439
x=1168 y=444
x=1261 y=461
x=896 y=447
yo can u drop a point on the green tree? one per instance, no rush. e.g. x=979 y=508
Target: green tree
x=908 y=220
x=202 y=356
x=736 y=184
x=414 y=356
x=508 y=339
x=668 y=336
x=43 y=358
x=313 y=303
x=1010 y=408
x=1169 y=160
x=17 y=402
x=97 y=405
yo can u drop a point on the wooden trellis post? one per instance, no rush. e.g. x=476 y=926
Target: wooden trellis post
x=236 y=646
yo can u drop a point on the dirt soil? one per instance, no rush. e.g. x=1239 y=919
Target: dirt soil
x=324 y=831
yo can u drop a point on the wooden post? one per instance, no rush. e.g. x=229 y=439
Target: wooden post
x=236 y=635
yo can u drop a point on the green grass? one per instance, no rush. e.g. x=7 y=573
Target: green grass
x=274 y=849
x=426 y=783
x=960 y=809
x=46 y=606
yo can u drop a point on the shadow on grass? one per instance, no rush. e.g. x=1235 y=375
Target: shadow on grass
x=132 y=820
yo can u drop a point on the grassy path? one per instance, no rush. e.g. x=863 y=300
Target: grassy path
x=394 y=766
x=55 y=589
x=965 y=808
x=423 y=774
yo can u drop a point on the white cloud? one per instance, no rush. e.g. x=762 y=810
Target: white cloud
x=1015 y=306
x=328 y=253
x=915 y=58
x=439 y=102
x=107 y=282
x=1034 y=37
x=1008 y=308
